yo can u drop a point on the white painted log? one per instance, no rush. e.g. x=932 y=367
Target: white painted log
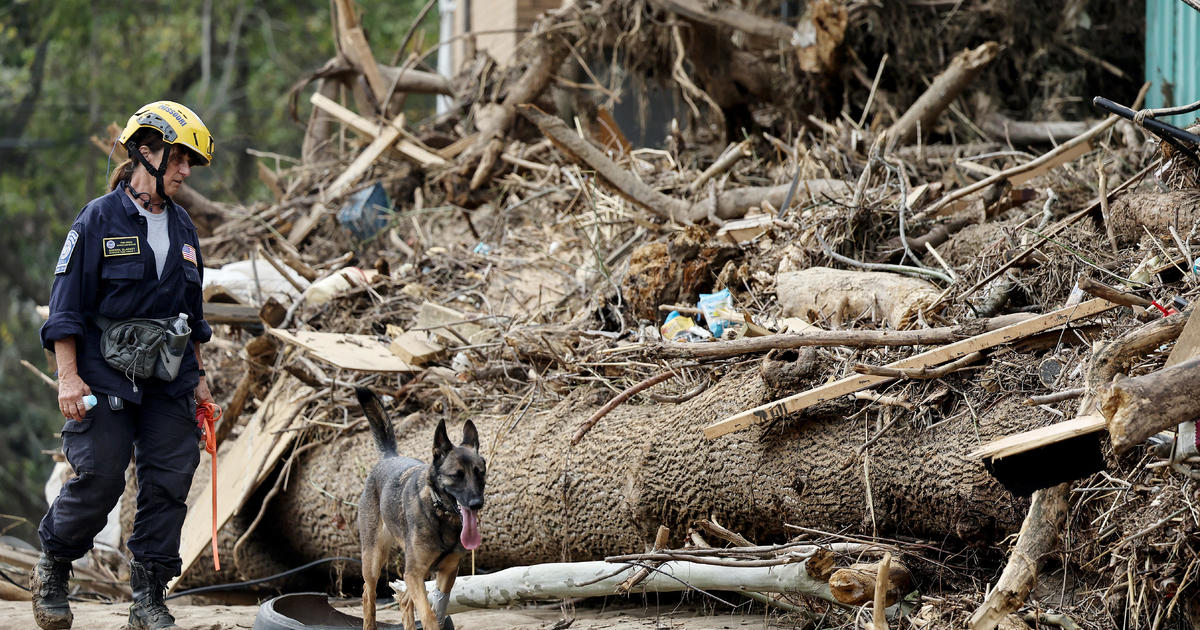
x=562 y=580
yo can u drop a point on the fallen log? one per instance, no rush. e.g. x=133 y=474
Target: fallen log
x=1138 y=407
x=650 y=465
x=945 y=88
x=1019 y=132
x=1039 y=534
x=567 y=580
x=842 y=295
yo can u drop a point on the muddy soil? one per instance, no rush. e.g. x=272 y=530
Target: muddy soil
x=96 y=616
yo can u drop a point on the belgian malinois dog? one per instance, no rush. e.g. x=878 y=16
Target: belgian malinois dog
x=430 y=509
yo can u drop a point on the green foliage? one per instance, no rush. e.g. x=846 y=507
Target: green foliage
x=69 y=68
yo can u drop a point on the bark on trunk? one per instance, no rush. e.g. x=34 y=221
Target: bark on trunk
x=649 y=465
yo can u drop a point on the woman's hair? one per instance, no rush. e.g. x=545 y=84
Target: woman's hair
x=150 y=138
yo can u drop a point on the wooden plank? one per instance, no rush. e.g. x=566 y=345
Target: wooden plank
x=936 y=356
x=441 y=320
x=415 y=348
x=242 y=466
x=351 y=352
x=1188 y=344
x=361 y=125
x=354 y=43
x=386 y=137
x=1070 y=155
x=1028 y=440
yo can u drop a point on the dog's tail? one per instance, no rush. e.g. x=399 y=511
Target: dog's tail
x=381 y=426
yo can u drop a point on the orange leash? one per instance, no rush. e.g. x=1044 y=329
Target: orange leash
x=207 y=415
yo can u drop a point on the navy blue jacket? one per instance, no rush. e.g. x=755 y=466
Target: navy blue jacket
x=107 y=267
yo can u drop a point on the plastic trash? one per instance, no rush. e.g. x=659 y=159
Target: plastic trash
x=716 y=307
x=366 y=212
x=680 y=328
x=89 y=401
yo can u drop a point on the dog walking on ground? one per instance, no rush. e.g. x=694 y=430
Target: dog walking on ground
x=432 y=510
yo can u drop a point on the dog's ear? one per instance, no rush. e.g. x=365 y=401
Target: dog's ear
x=470 y=436
x=441 y=442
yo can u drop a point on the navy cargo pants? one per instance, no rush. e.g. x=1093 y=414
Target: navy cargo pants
x=162 y=435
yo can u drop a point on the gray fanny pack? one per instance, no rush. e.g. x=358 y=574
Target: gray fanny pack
x=140 y=348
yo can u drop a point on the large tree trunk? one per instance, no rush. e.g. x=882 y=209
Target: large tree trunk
x=645 y=466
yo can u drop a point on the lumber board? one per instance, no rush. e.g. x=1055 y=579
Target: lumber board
x=351 y=352
x=1188 y=344
x=930 y=358
x=361 y=125
x=242 y=465
x=1029 y=440
x=386 y=137
x=354 y=42
x=1070 y=155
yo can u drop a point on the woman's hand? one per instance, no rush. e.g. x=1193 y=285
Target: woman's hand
x=202 y=394
x=71 y=390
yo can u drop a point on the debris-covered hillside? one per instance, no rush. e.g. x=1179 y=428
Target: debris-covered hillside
x=875 y=240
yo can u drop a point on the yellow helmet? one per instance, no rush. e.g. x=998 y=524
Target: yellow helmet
x=178 y=125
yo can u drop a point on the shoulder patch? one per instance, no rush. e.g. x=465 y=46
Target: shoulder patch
x=64 y=257
x=120 y=246
x=189 y=253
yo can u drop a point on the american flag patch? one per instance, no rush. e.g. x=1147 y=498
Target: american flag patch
x=189 y=253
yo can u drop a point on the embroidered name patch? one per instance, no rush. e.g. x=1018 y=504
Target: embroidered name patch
x=64 y=258
x=189 y=253
x=120 y=246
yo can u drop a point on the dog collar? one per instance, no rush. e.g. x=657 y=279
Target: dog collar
x=441 y=504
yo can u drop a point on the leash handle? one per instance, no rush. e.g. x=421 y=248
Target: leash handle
x=207 y=415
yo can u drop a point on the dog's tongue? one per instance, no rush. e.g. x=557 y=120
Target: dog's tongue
x=469 y=537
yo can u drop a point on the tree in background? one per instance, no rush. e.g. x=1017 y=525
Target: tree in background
x=69 y=68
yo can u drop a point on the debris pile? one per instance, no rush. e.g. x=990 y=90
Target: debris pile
x=896 y=290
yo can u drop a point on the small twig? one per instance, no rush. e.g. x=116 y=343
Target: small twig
x=1102 y=192
x=920 y=373
x=1046 y=399
x=616 y=401
x=42 y=375
x=1111 y=294
x=878 y=434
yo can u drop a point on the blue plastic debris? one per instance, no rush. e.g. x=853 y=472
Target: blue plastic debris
x=366 y=212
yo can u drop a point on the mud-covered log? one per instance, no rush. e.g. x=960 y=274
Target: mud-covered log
x=1139 y=407
x=649 y=465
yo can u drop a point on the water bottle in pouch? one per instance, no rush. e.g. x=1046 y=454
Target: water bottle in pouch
x=171 y=354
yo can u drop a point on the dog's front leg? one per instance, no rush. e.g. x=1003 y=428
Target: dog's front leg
x=419 y=598
x=447 y=572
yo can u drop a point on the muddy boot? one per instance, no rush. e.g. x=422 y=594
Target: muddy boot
x=48 y=586
x=148 y=611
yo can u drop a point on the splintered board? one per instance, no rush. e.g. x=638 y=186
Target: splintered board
x=351 y=352
x=930 y=358
x=241 y=466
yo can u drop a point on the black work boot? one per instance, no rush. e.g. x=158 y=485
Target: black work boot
x=148 y=611
x=48 y=586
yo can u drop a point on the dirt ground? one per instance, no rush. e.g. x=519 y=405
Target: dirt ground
x=673 y=616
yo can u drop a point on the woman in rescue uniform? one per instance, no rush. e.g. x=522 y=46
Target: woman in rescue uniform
x=132 y=253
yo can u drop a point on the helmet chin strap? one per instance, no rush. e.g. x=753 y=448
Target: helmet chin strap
x=156 y=172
